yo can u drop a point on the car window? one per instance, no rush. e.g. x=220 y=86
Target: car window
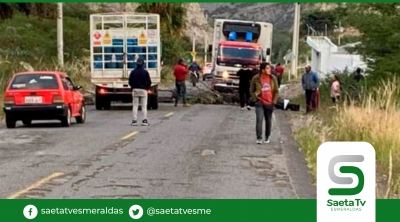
x=69 y=81
x=34 y=81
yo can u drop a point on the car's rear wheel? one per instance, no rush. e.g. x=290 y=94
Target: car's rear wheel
x=66 y=121
x=27 y=122
x=10 y=123
x=82 y=117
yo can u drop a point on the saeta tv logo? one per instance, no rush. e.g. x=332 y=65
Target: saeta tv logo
x=346 y=182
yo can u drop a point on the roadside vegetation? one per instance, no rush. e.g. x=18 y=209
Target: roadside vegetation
x=369 y=110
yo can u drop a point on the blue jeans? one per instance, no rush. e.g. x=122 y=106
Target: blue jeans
x=181 y=91
x=263 y=111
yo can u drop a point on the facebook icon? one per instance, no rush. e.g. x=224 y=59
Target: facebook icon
x=30 y=212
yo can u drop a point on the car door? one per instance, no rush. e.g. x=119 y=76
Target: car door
x=68 y=93
x=77 y=97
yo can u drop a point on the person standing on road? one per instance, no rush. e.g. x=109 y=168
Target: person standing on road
x=264 y=92
x=245 y=76
x=310 y=83
x=140 y=82
x=180 y=73
x=279 y=73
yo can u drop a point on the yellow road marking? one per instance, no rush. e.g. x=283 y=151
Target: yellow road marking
x=129 y=135
x=169 y=114
x=35 y=185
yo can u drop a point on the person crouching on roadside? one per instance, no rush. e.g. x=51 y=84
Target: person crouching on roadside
x=335 y=88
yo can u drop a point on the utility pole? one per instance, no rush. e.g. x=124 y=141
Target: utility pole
x=194 y=47
x=206 y=41
x=295 y=43
x=60 y=43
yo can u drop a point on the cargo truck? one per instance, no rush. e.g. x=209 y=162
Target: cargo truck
x=117 y=40
x=236 y=45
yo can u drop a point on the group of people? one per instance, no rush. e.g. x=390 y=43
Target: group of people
x=140 y=83
x=310 y=83
x=260 y=86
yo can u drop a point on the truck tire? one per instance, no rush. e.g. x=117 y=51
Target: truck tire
x=152 y=102
x=98 y=103
x=107 y=104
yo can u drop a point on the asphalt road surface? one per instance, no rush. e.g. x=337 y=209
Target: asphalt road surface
x=204 y=151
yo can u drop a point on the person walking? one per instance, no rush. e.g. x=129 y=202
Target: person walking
x=279 y=73
x=140 y=82
x=245 y=76
x=335 y=88
x=310 y=84
x=264 y=92
x=180 y=73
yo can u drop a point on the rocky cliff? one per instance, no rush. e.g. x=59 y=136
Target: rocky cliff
x=196 y=24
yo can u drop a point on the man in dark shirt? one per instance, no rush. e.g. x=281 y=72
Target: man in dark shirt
x=245 y=76
x=140 y=82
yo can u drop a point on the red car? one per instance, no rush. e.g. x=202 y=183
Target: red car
x=207 y=69
x=43 y=95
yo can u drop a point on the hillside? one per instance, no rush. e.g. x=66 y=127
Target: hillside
x=280 y=14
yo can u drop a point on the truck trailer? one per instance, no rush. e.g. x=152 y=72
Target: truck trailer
x=117 y=40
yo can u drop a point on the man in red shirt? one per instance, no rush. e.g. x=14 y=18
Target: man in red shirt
x=180 y=73
x=264 y=91
x=279 y=73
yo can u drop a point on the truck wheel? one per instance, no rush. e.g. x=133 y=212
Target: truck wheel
x=107 y=104
x=99 y=103
x=154 y=102
x=10 y=123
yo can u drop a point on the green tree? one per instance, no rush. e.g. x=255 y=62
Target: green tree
x=173 y=20
x=281 y=44
x=172 y=15
x=380 y=37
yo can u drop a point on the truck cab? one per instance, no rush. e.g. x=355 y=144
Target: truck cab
x=233 y=56
x=238 y=45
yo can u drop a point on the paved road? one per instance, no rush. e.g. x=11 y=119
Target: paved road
x=204 y=151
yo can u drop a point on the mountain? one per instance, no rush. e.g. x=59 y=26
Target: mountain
x=281 y=15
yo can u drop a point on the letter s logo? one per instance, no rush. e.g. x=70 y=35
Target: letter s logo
x=346 y=180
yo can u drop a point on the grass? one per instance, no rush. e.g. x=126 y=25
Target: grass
x=375 y=118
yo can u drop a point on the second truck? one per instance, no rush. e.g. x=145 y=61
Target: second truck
x=238 y=44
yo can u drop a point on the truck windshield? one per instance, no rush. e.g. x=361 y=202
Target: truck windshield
x=231 y=56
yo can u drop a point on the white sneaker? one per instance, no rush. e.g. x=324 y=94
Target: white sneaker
x=259 y=141
x=248 y=108
x=242 y=108
x=267 y=141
